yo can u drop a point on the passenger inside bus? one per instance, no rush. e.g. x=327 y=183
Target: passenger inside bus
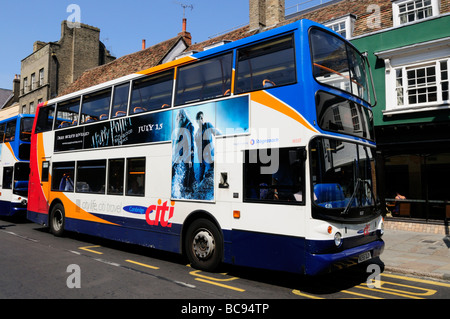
x=66 y=183
x=285 y=185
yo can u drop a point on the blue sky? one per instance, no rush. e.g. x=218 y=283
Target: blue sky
x=123 y=24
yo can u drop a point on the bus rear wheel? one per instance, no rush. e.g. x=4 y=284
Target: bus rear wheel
x=57 y=220
x=204 y=245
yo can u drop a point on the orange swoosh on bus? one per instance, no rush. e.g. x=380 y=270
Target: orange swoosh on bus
x=76 y=212
x=269 y=100
x=11 y=150
x=168 y=65
x=70 y=208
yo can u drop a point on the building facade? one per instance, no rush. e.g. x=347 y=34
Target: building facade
x=408 y=45
x=53 y=66
x=411 y=63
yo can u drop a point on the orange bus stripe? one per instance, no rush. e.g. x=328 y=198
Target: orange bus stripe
x=269 y=100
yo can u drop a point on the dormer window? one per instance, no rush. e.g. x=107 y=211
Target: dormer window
x=344 y=25
x=408 y=11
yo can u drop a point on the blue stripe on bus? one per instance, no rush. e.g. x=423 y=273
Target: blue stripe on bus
x=320 y=263
x=268 y=251
x=137 y=232
x=12 y=209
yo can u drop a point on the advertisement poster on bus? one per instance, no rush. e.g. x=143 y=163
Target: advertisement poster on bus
x=193 y=144
x=192 y=131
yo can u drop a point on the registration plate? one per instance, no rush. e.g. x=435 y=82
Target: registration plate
x=364 y=256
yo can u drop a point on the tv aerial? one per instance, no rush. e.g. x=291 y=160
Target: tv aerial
x=185 y=6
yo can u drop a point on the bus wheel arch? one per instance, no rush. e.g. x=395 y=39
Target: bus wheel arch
x=202 y=241
x=57 y=218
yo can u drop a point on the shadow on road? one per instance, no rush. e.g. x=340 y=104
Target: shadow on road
x=319 y=285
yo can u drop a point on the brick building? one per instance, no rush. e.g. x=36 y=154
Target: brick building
x=54 y=65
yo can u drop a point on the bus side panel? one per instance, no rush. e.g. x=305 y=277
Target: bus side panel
x=268 y=251
x=5 y=208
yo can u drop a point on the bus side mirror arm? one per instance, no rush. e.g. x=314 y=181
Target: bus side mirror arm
x=366 y=57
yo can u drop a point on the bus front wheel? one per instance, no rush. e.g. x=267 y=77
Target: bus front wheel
x=204 y=245
x=57 y=220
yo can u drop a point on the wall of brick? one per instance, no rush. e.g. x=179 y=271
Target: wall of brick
x=78 y=50
x=266 y=13
x=415 y=227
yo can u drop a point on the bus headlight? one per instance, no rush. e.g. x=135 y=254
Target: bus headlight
x=382 y=228
x=24 y=202
x=338 y=239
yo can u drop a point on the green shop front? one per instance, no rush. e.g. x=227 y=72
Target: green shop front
x=411 y=66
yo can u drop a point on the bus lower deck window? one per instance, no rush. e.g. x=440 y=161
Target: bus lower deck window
x=136 y=176
x=285 y=182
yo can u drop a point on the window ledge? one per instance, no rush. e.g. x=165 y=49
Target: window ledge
x=413 y=109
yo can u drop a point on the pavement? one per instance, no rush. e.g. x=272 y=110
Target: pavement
x=414 y=253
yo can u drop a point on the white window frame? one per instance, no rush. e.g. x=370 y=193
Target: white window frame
x=25 y=85
x=41 y=77
x=396 y=5
x=347 y=21
x=32 y=110
x=423 y=86
x=33 y=81
x=414 y=57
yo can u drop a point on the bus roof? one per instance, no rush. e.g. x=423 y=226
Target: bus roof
x=241 y=39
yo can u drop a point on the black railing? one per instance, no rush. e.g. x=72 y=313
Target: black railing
x=429 y=210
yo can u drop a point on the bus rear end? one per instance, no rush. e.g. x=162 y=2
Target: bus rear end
x=15 y=135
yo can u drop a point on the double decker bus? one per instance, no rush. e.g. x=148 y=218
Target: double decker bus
x=15 y=138
x=259 y=153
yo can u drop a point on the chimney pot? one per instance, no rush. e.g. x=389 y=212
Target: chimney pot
x=184 y=24
x=186 y=35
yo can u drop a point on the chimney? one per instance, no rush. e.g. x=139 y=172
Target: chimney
x=38 y=45
x=186 y=35
x=16 y=88
x=184 y=24
x=266 y=13
x=275 y=12
x=143 y=44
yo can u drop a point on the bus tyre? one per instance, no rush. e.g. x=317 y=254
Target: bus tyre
x=57 y=220
x=204 y=245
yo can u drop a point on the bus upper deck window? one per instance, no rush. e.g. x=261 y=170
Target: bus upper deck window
x=2 y=132
x=67 y=114
x=96 y=107
x=10 y=132
x=204 y=80
x=266 y=65
x=337 y=64
x=120 y=100
x=151 y=93
x=45 y=119
x=26 y=125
